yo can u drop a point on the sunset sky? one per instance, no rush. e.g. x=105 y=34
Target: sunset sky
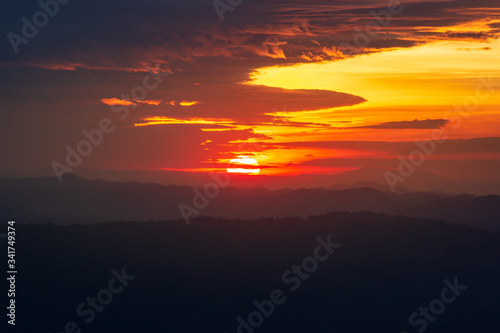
x=301 y=87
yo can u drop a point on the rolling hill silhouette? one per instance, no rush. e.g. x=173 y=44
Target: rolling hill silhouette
x=81 y=201
x=421 y=180
x=202 y=277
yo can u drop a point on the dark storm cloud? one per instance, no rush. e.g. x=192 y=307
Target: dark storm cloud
x=128 y=35
x=447 y=147
x=415 y=124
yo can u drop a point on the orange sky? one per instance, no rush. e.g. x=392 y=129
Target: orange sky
x=400 y=85
x=284 y=83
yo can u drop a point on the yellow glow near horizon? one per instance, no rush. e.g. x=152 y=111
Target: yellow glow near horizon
x=439 y=73
x=249 y=166
x=189 y=103
x=148 y=121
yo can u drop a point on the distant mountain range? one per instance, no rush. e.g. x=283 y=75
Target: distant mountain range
x=421 y=180
x=82 y=201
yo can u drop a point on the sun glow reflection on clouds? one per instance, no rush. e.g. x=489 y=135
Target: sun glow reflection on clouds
x=438 y=73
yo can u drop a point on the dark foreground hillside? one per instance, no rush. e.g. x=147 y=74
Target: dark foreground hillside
x=202 y=277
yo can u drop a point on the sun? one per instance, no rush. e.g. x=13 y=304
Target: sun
x=243 y=165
